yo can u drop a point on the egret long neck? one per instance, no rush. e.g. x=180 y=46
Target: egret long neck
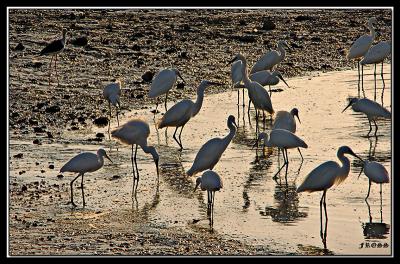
x=199 y=100
x=228 y=138
x=245 y=76
x=145 y=148
x=371 y=30
x=101 y=160
x=281 y=51
x=345 y=169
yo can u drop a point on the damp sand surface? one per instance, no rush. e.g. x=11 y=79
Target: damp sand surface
x=254 y=214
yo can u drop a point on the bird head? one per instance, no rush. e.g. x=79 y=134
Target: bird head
x=198 y=182
x=156 y=157
x=283 y=43
x=348 y=150
x=372 y=20
x=178 y=74
x=102 y=153
x=277 y=73
x=236 y=58
x=295 y=112
x=351 y=102
x=231 y=120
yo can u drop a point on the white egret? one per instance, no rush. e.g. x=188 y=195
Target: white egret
x=178 y=115
x=372 y=109
x=112 y=93
x=54 y=48
x=376 y=173
x=162 y=83
x=360 y=48
x=236 y=76
x=257 y=93
x=267 y=78
x=377 y=54
x=271 y=58
x=210 y=181
x=83 y=163
x=285 y=120
x=210 y=153
x=324 y=177
x=136 y=132
x=282 y=139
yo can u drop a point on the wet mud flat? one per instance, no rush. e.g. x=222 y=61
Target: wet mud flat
x=254 y=214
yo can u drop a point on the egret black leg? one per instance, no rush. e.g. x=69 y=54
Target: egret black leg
x=137 y=170
x=383 y=82
x=248 y=109
x=320 y=215
x=155 y=111
x=263 y=120
x=326 y=220
x=358 y=83
x=165 y=104
x=133 y=173
x=117 y=110
x=109 y=121
x=374 y=82
x=270 y=92
x=287 y=157
x=300 y=154
x=180 y=140
x=243 y=97
x=83 y=193
x=362 y=79
x=51 y=61
x=376 y=127
x=369 y=189
x=55 y=66
x=369 y=211
x=174 y=136
x=238 y=101
x=370 y=127
x=380 y=192
x=72 y=192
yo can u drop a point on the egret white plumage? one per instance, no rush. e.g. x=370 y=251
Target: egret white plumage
x=210 y=153
x=377 y=54
x=360 y=48
x=282 y=139
x=178 y=115
x=162 y=83
x=376 y=173
x=324 y=177
x=211 y=182
x=112 y=93
x=271 y=58
x=285 y=120
x=136 y=132
x=236 y=76
x=372 y=109
x=83 y=163
x=257 y=93
x=54 y=48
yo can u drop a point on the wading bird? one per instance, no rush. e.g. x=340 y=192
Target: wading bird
x=136 y=132
x=258 y=95
x=372 y=109
x=271 y=58
x=324 y=177
x=285 y=120
x=54 y=48
x=210 y=181
x=375 y=172
x=111 y=93
x=360 y=48
x=282 y=139
x=236 y=77
x=210 y=153
x=267 y=78
x=377 y=54
x=83 y=163
x=162 y=83
x=178 y=115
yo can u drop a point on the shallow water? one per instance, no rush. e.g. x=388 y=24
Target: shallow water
x=252 y=206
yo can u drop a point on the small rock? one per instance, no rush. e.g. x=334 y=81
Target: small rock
x=101 y=121
x=139 y=96
x=66 y=96
x=49 y=135
x=15 y=114
x=37 y=163
x=147 y=76
x=51 y=166
x=36 y=141
x=38 y=130
x=183 y=55
x=180 y=85
x=115 y=177
x=53 y=109
x=18 y=156
x=80 y=41
x=19 y=47
x=268 y=25
x=33 y=122
x=81 y=119
x=42 y=171
x=74 y=128
x=24 y=188
x=21 y=172
x=60 y=176
x=100 y=135
x=136 y=47
x=303 y=18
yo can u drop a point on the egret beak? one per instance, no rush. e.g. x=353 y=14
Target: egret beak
x=355 y=155
x=346 y=107
x=108 y=158
x=298 y=118
x=197 y=185
x=281 y=77
x=156 y=162
x=234 y=122
x=360 y=173
x=180 y=76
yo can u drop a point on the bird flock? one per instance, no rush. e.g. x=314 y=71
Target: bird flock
x=282 y=135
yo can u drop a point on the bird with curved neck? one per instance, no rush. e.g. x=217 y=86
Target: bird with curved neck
x=325 y=176
x=112 y=93
x=271 y=58
x=210 y=153
x=83 y=163
x=178 y=115
x=267 y=78
x=136 y=132
x=257 y=93
x=54 y=48
x=360 y=48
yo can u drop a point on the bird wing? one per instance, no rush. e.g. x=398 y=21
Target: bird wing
x=83 y=162
x=236 y=72
x=54 y=46
x=286 y=139
x=371 y=108
x=377 y=53
x=178 y=114
x=261 y=77
x=261 y=98
x=266 y=62
x=208 y=155
x=284 y=120
x=162 y=83
x=360 y=46
x=134 y=132
x=320 y=178
x=211 y=181
x=376 y=172
x=112 y=92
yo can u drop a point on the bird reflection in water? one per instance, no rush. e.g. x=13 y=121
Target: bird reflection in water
x=375 y=230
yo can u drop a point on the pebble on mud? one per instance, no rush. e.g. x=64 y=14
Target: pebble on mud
x=80 y=41
x=60 y=176
x=101 y=121
x=24 y=188
x=180 y=85
x=19 y=47
x=100 y=135
x=53 y=109
x=18 y=156
x=115 y=177
x=51 y=166
x=49 y=135
x=268 y=25
x=37 y=141
x=147 y=76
